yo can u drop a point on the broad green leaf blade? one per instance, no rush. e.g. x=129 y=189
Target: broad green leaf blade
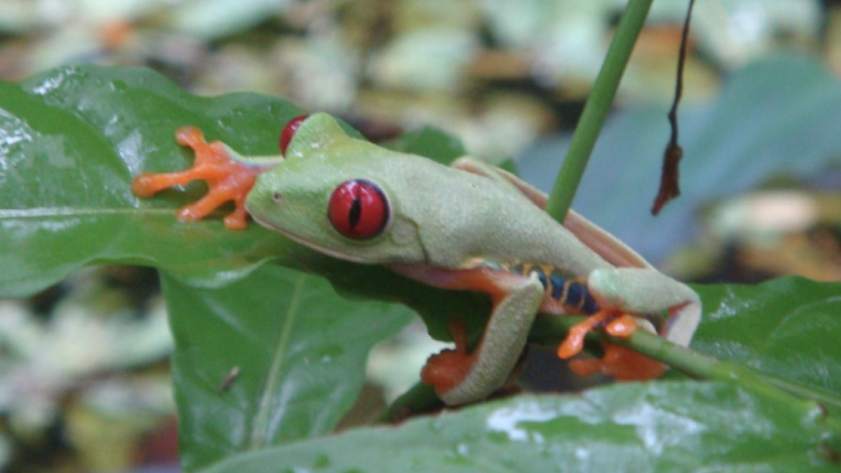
x=777 y=116
x=788 y=327
x=431 y=142
x=668 y=426
x=70 y=142
x=299 y=350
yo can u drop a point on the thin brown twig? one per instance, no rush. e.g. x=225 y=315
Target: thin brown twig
x=669 y=177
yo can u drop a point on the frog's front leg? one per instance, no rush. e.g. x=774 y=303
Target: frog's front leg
x=228 y=179
x=634 y=291
x=459 y=376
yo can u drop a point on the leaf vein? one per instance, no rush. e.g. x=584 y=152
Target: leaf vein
x=46 y=212
x=260 y=429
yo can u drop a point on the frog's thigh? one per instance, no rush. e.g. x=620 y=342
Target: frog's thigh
x=646 y=291
x=502 y=342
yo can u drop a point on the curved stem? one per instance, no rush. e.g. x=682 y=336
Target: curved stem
x=596 y=109
x=419 y=398
x=552 y=329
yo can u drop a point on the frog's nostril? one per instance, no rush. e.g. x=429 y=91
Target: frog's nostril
x=276 y=197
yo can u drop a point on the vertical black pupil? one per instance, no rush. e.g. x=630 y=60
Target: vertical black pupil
x=355 y=211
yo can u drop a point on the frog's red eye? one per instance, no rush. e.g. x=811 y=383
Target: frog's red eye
x=289 y=131
x=358 y=209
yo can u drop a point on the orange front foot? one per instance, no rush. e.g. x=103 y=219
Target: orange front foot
x=617 y=325
x=574 y=341
x=447 y=369
x=227 y=179
x=619 y=362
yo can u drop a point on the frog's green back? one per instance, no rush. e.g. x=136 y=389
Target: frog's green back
x=439 y=215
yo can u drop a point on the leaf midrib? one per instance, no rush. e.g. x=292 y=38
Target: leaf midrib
x=260 y=428
x=69 y=212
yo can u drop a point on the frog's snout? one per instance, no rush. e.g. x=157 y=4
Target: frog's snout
x=277 y=197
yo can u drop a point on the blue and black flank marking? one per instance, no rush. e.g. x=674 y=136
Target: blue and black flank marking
x=569 y=292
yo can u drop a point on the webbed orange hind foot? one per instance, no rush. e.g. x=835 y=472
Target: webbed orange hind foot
x=228 y=180
x=620 y=363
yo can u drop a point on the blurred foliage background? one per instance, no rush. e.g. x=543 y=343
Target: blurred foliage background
x=84 y=381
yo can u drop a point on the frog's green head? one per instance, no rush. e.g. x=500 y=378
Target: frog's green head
x=336 y=194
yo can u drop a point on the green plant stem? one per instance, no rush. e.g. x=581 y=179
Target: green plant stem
x=596 y=109
x=419 y=398
x=551 y=329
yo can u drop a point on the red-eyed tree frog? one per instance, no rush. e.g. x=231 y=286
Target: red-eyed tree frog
x=469 y=226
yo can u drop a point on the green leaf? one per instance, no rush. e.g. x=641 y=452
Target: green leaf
x=70 y=142
x=298 y=348
x=788 y=327
x=667 y=426
x=429 y=141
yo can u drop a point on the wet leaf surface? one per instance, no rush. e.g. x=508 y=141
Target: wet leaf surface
x=273 y=357
x=666 y=426
x=70 y=142
x=787 y=327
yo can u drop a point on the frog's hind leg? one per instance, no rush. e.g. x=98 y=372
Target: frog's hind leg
x=643 y=291
x=596 y=238
x=637 y=291
x=460 y=377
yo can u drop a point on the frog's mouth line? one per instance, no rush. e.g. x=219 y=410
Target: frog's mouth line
x=309 y=244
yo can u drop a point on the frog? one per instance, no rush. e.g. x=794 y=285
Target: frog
x=468 y=226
